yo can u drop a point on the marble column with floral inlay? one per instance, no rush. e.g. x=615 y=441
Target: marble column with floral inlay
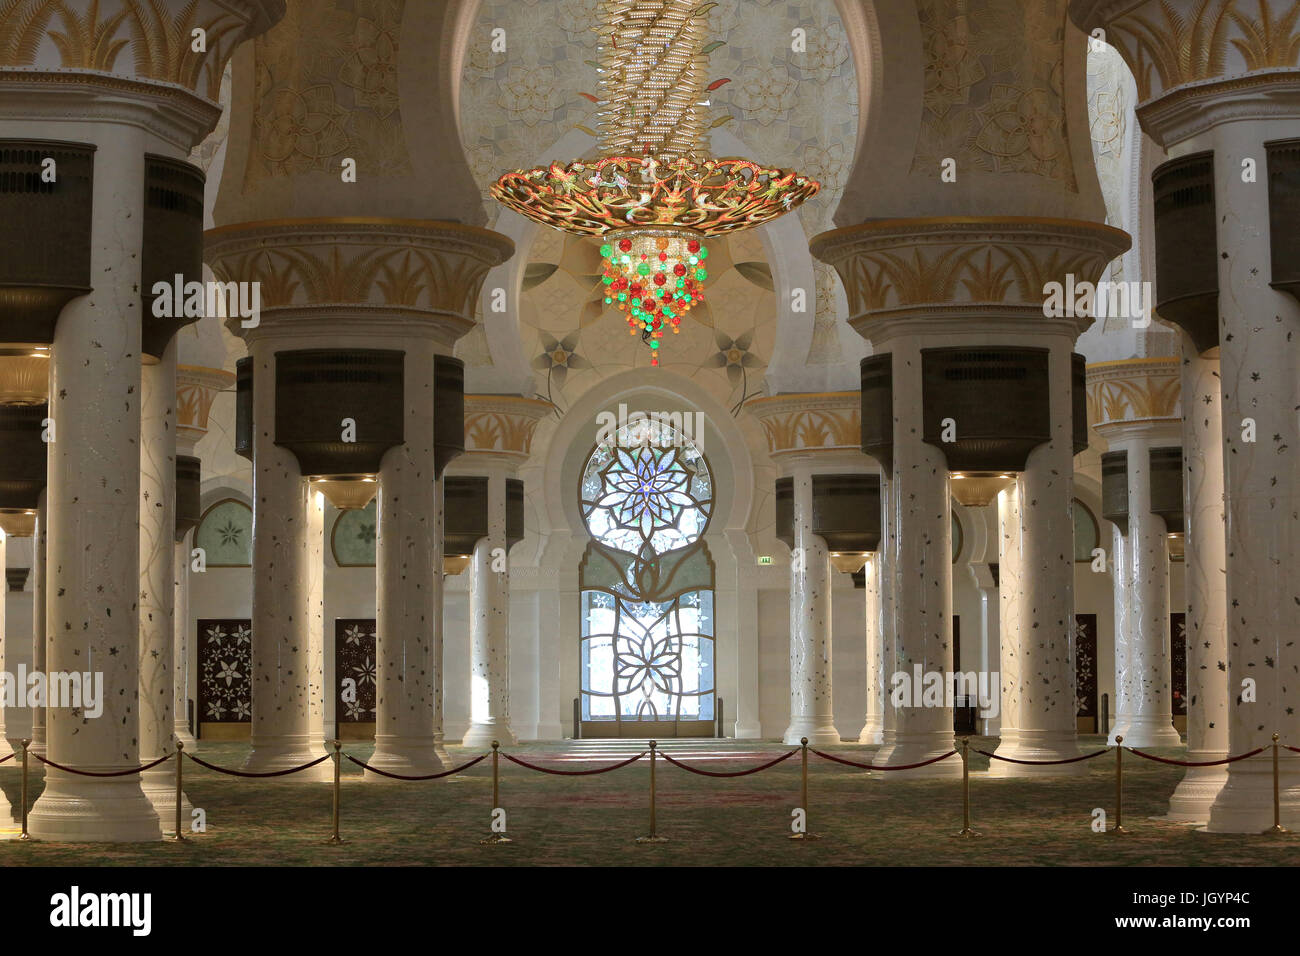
x=1205 y=583
x=811 y=710
x=489 y=626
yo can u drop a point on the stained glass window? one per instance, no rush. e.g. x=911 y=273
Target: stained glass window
x=647 y=580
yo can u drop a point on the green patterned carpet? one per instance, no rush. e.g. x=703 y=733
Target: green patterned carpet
x=862 y=820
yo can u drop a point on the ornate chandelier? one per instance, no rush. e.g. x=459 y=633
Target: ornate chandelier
x=653 y=196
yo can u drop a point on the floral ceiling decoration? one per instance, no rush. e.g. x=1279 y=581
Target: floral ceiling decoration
x=654 y=194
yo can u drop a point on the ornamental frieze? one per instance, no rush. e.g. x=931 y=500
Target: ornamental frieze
x=1132 y=390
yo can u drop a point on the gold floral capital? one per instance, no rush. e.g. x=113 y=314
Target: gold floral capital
x=422 y=268
x=196 y=388
x=140 y=39
x=1134 y=390
x=1198 y=62
x=897 y=268
x=502 y=424
x=810 y=422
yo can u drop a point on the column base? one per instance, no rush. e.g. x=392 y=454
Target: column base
x=93 y=810
x=1142 y=730
x=1245 y=804
x=412 y=756
x=284 y=752
x=1038 y=745
x=38 y=745
x=481 y=734
x=903 y=749
x=1199 y=788
x=9 y=814
x=159 y=787
x=820 y=731
x=748 y=731
x=440 y=748
x=873 y=732
x=546 y=731
x=181 y=731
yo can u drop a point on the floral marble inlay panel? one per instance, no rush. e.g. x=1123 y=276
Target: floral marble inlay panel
x=225 y=669
x=354 y=661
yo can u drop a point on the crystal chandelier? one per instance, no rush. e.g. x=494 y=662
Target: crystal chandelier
x=653 y=196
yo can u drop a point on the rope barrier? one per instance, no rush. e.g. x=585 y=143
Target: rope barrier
x=1195 y=763
x=109 y=773
x=728 y=773
x=427 y=776
x=868 y=766
x=499 y=836
x=575 y=773
x=244 y=773
x=1044 y=763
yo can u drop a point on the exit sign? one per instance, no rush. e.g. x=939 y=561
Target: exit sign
x=764 y=559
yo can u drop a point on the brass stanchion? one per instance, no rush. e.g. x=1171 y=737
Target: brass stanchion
x=653 y=837
x=25 y=835
x=338 y=745
x=803 y=792
x=1119 y=786
x=1277 y=800
x=965 y=830
x=496 y=837
x=180 y=794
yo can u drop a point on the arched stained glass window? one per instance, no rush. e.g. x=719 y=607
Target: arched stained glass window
x=1086 y=536
x=647 y=586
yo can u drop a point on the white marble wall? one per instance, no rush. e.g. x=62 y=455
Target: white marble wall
x=873 y=728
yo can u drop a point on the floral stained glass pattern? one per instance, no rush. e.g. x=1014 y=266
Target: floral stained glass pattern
x=354 y=669
x=225 y=671
x=226 y=535
x=647 y=582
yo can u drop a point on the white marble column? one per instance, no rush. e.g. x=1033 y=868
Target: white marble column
x=991 y=643
x=435 y=655
x=1011 y=607
x=811 y=711
x=921 y=519
x=6 y=659
x=874 y=728
x=94 y=514
x=408 y=578
x=181 y=641
x=1259 y=340
x=39 y=639
x=1124 y=673
x=1205 y=582
x=1143 y=686
x=157 y=536
x=282 y=731
x=489 y=627
x=1043 y=704
x=316 y=729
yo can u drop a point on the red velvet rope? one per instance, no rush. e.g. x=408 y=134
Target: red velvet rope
x=1193 y=763
x=729 y=773
x=867 y=766
x=575 y=773
x=10 y=757
x=1292 y=749
x=1045 y=763
x=427 y=776
x=244 y=773
x=109 y=773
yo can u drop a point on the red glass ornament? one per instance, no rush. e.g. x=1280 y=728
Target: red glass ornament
x=648 y=304
x=625 y=245
x=693 y=245
x=660 y=278
x=679 y=270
